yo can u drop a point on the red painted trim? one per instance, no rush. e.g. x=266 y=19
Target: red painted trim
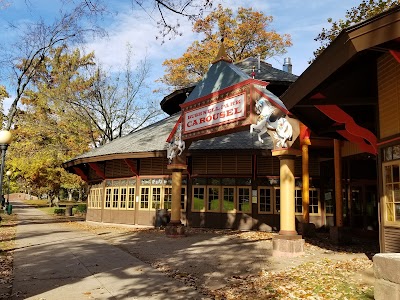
x=305 y=133
x=171 y=135
x=318 y=96
x=388 y=141
x=395 y=54
x=97 y=169
x=131 y=166
x=79 y=172
x=357 y=140
x=338 y=115
x=225 y=90
x=273 y=102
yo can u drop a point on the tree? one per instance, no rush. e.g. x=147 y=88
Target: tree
x=246 y=33
x=163 y=12
x=115 y=104
x=366 y=9
x=34 y=45
x=48 y=132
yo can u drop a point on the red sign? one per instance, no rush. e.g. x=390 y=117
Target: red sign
x=215 y=114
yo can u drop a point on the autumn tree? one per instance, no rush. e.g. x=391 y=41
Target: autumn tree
x=47 y=131
x=366 y=9
x=116 y=103
x=247 y=33
x=33 y=46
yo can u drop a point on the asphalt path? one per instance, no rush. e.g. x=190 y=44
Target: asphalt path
x=54 y=261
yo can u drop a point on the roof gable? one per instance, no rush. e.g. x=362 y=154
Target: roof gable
x=220 y=75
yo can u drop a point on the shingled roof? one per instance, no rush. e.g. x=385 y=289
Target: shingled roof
x=220 y=75
x=266 y=72
x=153 y=139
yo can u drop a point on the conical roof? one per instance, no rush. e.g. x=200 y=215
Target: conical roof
x=221 y=74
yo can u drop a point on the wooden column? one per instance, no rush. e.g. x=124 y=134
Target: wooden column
x=305 y=183
x=338 y=183
x=288 y=243
x=176 y=196
x=175 y=228
x=288 y=224
x=305 y=191
x=287 y=188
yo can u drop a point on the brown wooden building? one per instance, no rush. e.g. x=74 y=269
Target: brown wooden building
x=351 y=93
x=232 y=181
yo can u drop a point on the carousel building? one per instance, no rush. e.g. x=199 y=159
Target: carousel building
x=232 y=178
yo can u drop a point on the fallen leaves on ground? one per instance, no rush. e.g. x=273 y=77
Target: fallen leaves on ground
x=7 y=240
x=324 y=279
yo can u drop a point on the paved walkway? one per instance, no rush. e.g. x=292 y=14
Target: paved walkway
x=52 y=261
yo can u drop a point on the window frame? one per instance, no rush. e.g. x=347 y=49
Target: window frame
x=385 y=196
x=272 y=199
x=218 y=188
x=238 y=199
x=204 y=200
x=223 y=199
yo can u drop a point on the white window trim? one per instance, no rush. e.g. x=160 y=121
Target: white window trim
x=385 y=197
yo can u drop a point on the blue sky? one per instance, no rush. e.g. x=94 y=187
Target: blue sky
x=302 y=19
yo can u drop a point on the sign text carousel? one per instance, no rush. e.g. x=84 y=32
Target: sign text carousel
x=215 y=114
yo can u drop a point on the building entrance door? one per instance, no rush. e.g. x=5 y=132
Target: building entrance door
x=364 y=206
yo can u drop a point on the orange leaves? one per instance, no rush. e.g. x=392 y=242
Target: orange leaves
x=246 y=34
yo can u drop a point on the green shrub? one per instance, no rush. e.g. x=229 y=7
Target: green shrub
x=81 y=208
x=59 y=211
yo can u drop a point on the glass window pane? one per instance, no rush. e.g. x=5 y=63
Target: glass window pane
x=115 y=197
x=298 y=200
x=108 y=198
x=278 y=200
x=156 y=198
x=131 y=197
x=388 y=174
x=167 y=197
x=144 y=197
x=395 y=173
x=396 y=192
x=396 y=152
x=123 y=198
x=183 y=198
x=213 y=199
x=244 y=200
x=265 y=200
x=198 y=198
x=228 y=198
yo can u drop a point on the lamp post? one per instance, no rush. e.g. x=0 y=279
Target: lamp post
x=8 y=173
x=5 y=140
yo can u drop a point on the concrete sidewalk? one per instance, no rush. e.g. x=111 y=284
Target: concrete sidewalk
x=52 y=261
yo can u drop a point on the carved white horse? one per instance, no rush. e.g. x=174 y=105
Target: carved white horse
x=271 y=118
x=176 y=146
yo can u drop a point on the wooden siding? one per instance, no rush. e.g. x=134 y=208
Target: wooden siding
x=154 y=166
x=268 y=165
x=389 y=97
x=117 y=169
x=222 y=164
x=391 y=239
x=350 y=149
